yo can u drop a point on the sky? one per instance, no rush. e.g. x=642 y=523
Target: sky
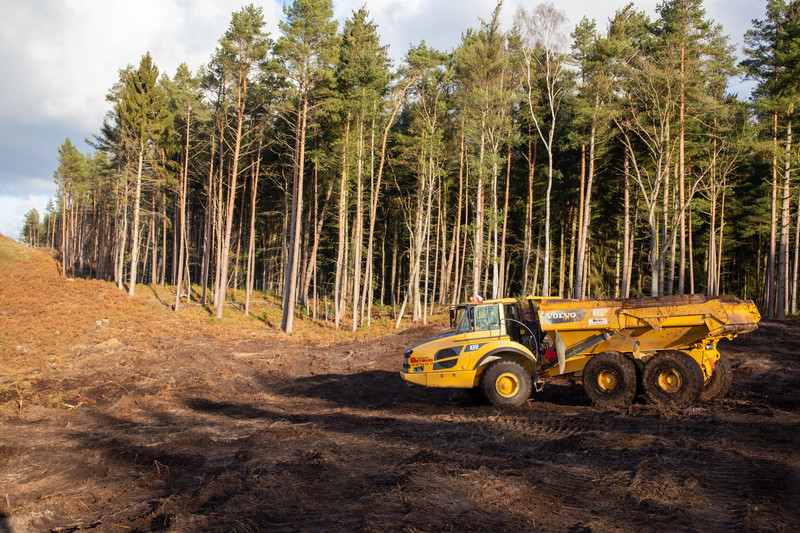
x=60 y=58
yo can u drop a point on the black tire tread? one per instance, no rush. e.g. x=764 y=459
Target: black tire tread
x=493 y=371
x=623 y=394
x=691 y=376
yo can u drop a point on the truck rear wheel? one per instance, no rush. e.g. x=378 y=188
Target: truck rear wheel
x=609 y=379
x=720 y=380
x=506 y=384
x=672 y=378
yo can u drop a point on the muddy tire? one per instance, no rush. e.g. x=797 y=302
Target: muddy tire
x=609 y=379
x=720 y=381
x=506 y=384
x=672 y=378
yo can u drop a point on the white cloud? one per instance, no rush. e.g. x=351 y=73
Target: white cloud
x=14 y=210
x=63 y=57
x=59 y=58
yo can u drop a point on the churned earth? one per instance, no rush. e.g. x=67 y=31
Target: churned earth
x=118 y=414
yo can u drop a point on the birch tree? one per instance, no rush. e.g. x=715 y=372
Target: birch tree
x=543 y=44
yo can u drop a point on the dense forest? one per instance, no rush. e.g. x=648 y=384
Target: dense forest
x=604 y=160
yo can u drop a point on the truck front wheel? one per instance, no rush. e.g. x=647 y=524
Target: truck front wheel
x=506 y=384
x=672 y=378
x=609 y=379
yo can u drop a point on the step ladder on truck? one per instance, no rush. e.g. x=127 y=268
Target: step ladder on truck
x=665 y=347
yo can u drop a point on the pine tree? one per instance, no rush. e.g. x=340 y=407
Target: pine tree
x=70 y=172
x=362 y=77
x=482 y=63
x=144 y=114
x=243 y=48
x=307 y=47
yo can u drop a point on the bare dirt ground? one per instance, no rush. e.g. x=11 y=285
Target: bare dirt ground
x=117 y=414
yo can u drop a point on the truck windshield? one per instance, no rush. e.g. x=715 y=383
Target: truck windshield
x=487 y=317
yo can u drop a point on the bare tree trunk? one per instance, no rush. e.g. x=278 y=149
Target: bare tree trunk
x=290 y=287
x=503 y=290
x=769 y=296
x=342 y=230
x=123 y=237
x=691 y=253
x=477 y=262
x=207 y=235
x=358 y=228
x=135 y=229
x=585 y=209
x=526 y=260
x=181 y=230
x=452 y=263
x=226 y=244
x=796 y=257
x=312 y=264
x=783 y=257
x=367 y=293
x=682 y=175
x=251 y=248
x=64 y=231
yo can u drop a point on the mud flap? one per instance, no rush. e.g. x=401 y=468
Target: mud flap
x=561 y=350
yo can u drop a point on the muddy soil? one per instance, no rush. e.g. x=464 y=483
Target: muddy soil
x=141 y=421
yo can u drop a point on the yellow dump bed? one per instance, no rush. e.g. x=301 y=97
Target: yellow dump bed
x=643 y=324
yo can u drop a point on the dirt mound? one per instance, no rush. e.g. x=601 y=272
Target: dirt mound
x=121 y=415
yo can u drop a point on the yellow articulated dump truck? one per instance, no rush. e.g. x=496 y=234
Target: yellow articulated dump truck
x=665 y=347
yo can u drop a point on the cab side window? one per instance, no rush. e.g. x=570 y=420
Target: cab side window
x=487 y=317
x=511 y=312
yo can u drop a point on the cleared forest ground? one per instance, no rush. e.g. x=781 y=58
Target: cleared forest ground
x=117 y=414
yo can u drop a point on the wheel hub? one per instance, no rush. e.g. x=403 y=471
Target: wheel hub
x=607 y=380
x=507 y=385
x=670 y=381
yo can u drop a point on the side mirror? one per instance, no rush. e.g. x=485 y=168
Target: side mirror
x=452 y=319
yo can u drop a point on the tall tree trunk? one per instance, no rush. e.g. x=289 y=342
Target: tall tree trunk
x=477 y=262
x=691 y=252
x=342 y=230
x=226 y=244
x=627 y=248
x=526 y=260
x=251 y=248
x=367 y=293
x=586 y=208
x=452 y=263
x=682 y=175
x=135 y=228
x=505 y=228
x=769 y=296
x=290 y=287
x=783 y=257
x=181 y=230
x=358 y=228
x=796 y=257
x=64 y=230
x=312 y=264
x=207 y=234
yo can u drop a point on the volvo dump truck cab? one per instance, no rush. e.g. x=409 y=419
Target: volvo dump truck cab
x=665 y=347
x=491 y=347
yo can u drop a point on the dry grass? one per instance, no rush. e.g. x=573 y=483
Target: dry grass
x=45 y=318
